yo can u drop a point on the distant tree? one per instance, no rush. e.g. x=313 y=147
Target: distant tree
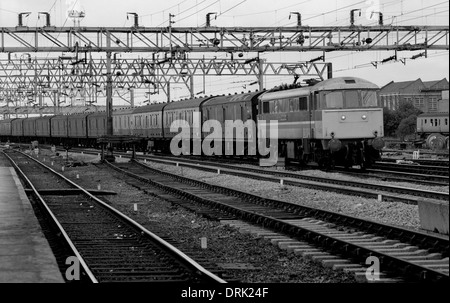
x=406 y=109
x=391 y=121
x=407 y=127
x=407 y=114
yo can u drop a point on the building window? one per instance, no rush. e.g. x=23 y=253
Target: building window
x=418 y=102
x=432 y=105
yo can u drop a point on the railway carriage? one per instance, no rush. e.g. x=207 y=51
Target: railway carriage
x=29 y=128
x=234 y=108
x=433 y=127
x=5 y=129
x=59 y=129
x=148 y=124
x=43 y=129
x=96 y=127
x=17 y=129
x=77 y=129
x=182 y=111
x=123 y=124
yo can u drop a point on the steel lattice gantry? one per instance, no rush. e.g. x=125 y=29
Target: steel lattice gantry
x=24 y=78
x=217 y=39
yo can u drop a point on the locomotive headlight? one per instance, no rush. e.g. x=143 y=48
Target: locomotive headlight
x=343 y=117
x=364 y=117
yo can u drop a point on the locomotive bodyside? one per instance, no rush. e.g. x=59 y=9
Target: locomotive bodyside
x=337 y=121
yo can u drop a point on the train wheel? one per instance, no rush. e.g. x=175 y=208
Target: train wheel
x=436 y=141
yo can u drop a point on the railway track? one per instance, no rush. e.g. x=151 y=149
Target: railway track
x=421 y=161
x=418 y=169
x=403 y=254
x=109 y=245
x=388 y=193
x=396 y=176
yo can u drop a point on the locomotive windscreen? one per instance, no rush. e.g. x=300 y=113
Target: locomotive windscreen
x=350 y=99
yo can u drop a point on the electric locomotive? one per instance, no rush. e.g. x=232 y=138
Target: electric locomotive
x=334 y=122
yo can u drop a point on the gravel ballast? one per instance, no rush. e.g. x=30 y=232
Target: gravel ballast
x=395 y=213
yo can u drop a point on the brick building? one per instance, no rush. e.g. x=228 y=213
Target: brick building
x=425 y=95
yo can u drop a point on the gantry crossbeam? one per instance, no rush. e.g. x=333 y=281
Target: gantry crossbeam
x=222 y=39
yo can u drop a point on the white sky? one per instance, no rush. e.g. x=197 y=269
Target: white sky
x=235 y=13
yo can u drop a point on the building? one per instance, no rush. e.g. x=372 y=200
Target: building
x=424 y=95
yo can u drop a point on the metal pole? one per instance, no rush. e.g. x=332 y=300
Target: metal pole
x=261 y=74
x=132 y=97
x=191 y=78
x=168 y=92
x=109 y=101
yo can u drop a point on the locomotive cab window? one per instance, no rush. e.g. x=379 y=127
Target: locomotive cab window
x=351 y=99
x=369 y=98
x=266 y=107
x=334 y=99
x=303 y=103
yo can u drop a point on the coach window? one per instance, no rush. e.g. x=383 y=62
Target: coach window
x=446 y=121
x=224 y=114
x=303 y=103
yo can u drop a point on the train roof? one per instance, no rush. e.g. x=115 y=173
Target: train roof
x=432 y=115
x=79 y=116
x=60 y=117
x=185 y=104
x=231 y=98
x=123 y=111
x=288 y=93
x=45 y=117
x=97 y=114
x=7 y=120
x=149 y=108
x=344 y=83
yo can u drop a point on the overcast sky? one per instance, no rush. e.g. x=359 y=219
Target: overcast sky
x=111 y=13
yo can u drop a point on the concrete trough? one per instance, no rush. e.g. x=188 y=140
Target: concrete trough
x=433 y=215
